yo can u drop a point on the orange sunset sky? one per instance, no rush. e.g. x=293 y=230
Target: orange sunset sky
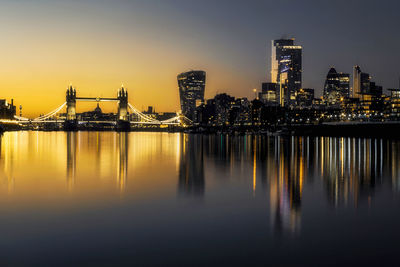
x=97 y=48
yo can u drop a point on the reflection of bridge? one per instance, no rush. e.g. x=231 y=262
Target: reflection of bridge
x=123 y=120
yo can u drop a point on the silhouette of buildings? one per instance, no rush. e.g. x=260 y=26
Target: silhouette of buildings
x=96 y=115
x=304 y=97
x=269 y=93
x=7 y=110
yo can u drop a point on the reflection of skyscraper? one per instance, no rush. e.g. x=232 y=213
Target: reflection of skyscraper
x=71 y=158
x=286 y=185
x=286 y=59
x=191 y=91
x=191 y=165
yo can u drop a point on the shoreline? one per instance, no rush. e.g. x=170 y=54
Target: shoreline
x=332 y=129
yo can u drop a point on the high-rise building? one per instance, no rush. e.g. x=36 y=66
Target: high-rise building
x=337 y=87
x=344 y=84
x=361 y=82
x=356 y=81
x=191 y=91
x=365 y=83
x=286 y=58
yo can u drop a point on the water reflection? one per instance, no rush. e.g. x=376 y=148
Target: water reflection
x=349 y=169
x=191 y=166
x=279 y=169
x=95 y=143
x=71 y=158
x=122 y=160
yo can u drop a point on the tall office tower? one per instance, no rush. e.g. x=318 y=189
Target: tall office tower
x=365 y=82
x=344 y=84
x=356 y=81
x=337 y=86
x=361 y=82
x=286 y=59
x=191 y=91
x=331 y=87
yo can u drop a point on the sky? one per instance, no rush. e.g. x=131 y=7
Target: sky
x=98 y=45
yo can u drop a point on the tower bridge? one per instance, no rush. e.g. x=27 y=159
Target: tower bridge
x=123 y=119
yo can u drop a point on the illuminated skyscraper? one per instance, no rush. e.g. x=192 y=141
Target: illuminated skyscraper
x=191 y=91
x=344 y=84
x=361 y=82
x=356 y=81
x=337 y=87
x=286 y=59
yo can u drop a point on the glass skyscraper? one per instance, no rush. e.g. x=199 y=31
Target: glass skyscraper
x=337 y=87
x=361 y=82
x=191 y=91
x=286 y=69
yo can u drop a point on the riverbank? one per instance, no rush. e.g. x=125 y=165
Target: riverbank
x=334 y=129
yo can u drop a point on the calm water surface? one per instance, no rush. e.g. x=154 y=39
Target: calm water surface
x=145 y=199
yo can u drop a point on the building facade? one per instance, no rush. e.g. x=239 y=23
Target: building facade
x=7 y=110
x=269 y=93
x=337 y=87
x=191 y=91
x=286 y=69
x=304 y=97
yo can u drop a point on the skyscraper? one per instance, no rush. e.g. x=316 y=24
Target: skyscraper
x=337 y=86
x=361 y=82
x=344 y=84
x=286 y=58
x=191 y=91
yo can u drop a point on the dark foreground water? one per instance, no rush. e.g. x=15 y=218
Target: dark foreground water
x=145 y=199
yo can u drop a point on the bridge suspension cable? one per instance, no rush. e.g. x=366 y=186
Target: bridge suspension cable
x=50 y=114
x=141 y=115
x=176 y=118
x=179 y=119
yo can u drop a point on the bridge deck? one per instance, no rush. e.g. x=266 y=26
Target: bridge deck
x=97 y=99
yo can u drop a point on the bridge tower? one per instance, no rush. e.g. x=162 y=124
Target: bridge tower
x=71 y=103
x=123 y=118
x=70 y=122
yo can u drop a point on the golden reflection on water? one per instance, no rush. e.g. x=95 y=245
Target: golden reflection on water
x=39 y=166
x=50 y=168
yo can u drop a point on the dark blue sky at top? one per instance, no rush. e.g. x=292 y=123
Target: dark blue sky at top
x=333 y=33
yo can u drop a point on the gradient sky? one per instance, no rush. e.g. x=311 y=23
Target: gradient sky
x=97 y=45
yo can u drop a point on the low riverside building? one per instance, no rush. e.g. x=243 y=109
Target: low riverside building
x=7 y=110
x=394 y=103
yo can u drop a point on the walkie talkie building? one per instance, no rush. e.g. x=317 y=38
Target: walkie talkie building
x=191 y=91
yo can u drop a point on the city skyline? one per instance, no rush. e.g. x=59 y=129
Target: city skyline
x=98 y=46
x=199 y=133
